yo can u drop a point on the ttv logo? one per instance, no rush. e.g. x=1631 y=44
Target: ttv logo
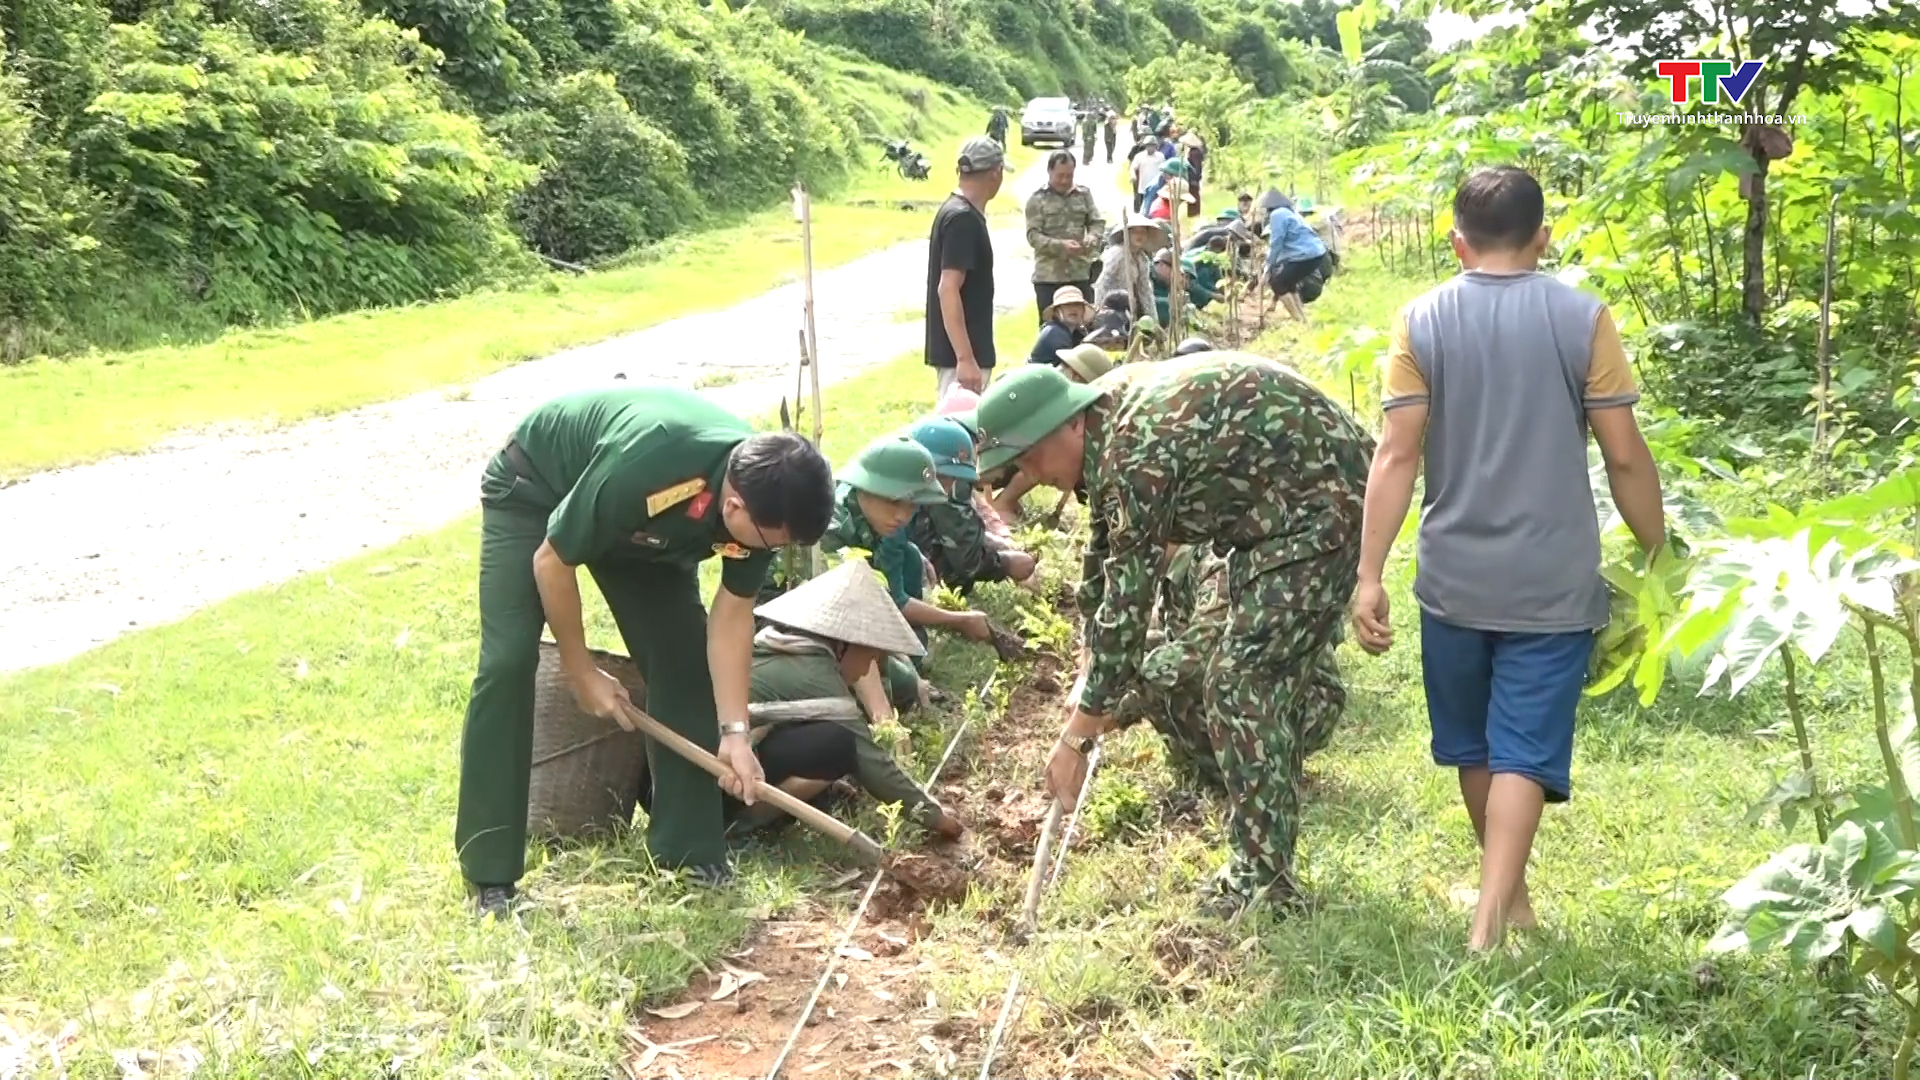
x=1716 y=77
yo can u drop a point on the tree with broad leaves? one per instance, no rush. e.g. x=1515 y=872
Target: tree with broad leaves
x=1805 y=45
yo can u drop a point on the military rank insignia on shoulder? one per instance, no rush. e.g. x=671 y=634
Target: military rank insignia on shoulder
x=667 y=498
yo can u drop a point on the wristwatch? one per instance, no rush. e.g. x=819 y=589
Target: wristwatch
x=738 y=727
x=1079 y=744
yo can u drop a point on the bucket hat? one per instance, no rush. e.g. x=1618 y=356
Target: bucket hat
x=847 y=603
x=951 y=445
x=1063 y=296
x=1025 y=407
x=1087 y=361
x=895 y=467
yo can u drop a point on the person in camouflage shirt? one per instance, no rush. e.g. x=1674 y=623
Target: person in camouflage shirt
x=1240 y=454
x=1064 y=228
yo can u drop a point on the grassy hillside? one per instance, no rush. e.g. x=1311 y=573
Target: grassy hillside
x=182 y=167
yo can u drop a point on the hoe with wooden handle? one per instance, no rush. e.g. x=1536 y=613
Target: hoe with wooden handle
x=812 y=816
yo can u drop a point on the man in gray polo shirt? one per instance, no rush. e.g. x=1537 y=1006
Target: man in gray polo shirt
x=1495 y=378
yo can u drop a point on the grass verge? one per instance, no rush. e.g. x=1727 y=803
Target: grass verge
x=233 y=834
x=68 y=411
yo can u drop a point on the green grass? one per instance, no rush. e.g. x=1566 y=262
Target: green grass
x=63 y=412
x=249 y=814
x=239 y=827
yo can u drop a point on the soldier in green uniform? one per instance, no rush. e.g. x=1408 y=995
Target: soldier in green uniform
x=1239 y=453
x=879 y=494
x=1064 y=229
x=951 y=533
x=639 y=485
x=997 y=125
x=1089 y=127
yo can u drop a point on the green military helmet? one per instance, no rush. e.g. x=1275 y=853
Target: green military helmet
x=950 y=443
x=1147 y=325
x=895 y=467
x=1176 y=167
x=1026 y=407
x=1304 y=206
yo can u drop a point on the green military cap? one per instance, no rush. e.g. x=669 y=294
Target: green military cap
x=1025 y=407
x=895 y=467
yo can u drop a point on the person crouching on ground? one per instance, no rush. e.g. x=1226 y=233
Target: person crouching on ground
x=1062 y=323
x=951 y=534
x=809 y=727
x=959 y=405
x=879 y=494
x=1295 y=253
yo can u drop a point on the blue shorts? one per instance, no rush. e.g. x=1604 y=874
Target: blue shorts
x=1505 y=701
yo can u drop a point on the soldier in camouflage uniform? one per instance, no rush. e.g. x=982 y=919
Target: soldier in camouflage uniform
x=1089 y=127
x=1064 y=228
x=1238 y=453
x=1187 y=626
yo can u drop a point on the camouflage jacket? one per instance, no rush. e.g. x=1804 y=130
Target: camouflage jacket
x=1228 y=450
x=955 y=539
x=1130 y=272
x=1052 y=220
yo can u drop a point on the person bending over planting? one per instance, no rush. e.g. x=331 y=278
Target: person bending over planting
x=639 y=485
x=809 y=727
x=1239 y=453
x=879 y=495
x=951 y=533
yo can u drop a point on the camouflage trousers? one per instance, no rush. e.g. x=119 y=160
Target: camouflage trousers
x=1243 y=684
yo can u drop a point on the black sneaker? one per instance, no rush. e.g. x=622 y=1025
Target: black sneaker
x=494 y=901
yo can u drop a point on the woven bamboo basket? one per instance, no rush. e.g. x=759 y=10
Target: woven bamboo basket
x=586 y=771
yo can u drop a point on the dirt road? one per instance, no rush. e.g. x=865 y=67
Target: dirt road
x=100 y=550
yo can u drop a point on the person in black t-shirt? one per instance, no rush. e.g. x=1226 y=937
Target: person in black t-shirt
x=960 y=273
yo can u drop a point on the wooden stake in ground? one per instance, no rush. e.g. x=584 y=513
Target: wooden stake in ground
x=810 y=336
x=1825 y=348
x=1176 y=327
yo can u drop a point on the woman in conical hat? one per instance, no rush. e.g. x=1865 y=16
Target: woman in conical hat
x=810 y=727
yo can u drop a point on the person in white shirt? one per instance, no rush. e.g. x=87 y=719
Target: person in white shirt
x=1146 y=172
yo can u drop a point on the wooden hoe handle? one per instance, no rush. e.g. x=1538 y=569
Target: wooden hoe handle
x=815 y=818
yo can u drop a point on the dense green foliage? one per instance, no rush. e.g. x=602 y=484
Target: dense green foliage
x=180 y=166
x=186 y=165
x=1010 y=50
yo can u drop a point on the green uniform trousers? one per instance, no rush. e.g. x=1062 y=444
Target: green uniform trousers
x=1262 y=686
x=657 y=607
x=1191 y=618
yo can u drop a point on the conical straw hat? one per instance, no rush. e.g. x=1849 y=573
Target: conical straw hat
x=847 y=603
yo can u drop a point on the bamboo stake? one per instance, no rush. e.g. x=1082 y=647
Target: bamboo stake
x=1825 y=349
x=810 y=340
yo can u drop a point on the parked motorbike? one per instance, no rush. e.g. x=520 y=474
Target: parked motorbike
x=911 y=164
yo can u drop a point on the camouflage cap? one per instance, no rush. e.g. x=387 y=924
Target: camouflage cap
x=981 y=154
x=895 y=467
x=1026 y=407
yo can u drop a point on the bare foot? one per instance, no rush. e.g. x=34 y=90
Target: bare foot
x=1010 y=512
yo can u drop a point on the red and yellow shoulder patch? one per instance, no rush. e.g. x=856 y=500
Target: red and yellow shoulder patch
x=667 y=498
